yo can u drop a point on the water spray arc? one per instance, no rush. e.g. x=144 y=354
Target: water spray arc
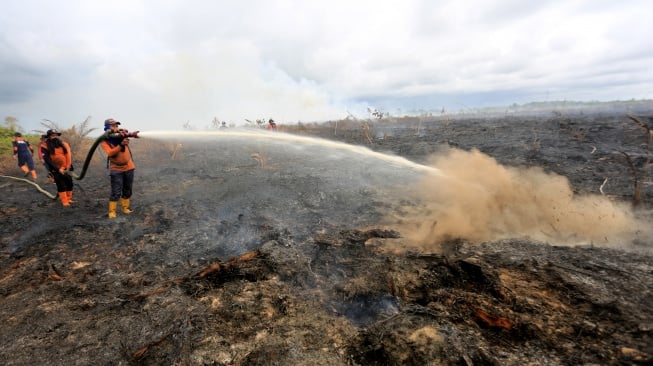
x=284 y=137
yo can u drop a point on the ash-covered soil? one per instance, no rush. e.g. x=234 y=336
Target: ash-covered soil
x=260 y=250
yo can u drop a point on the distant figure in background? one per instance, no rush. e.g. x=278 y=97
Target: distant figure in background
x=23 y=152
x=223 y=125
x=58 y=159
x=121 y=167
x=44 y=144
x=272 y=126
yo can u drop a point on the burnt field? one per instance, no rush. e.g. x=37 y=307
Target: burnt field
x=508 y=240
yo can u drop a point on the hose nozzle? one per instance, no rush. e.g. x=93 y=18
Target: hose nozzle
x=121 y=134
x=132 y=134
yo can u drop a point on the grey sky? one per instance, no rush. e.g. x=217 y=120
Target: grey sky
x=160 y=64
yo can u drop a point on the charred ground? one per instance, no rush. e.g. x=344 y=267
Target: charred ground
x=235 y=256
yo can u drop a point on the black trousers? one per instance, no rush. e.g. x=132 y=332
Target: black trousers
x=121 y=184
x=64 y=182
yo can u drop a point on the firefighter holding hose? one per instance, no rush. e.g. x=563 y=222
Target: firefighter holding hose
x=120 y=164
x=58 y=159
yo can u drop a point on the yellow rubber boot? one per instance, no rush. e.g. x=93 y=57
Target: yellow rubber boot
x=25 y=169
x=113 y=205
x=124 y=202
x=33 y=174
x=70 y=196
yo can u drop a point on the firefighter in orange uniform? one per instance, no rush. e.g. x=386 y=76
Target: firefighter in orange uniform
x=272 y=126
x=121 y=167
x=58 y=159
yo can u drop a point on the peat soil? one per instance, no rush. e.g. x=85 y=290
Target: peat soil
x=252 y=251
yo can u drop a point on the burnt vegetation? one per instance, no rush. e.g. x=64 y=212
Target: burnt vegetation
x=229 y=261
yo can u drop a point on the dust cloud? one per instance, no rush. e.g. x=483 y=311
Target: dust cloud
x=478 y=199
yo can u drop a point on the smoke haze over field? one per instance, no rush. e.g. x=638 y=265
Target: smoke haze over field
x=480 y=200
x=162 y=64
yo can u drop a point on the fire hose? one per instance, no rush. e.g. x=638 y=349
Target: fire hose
x=54 y=197
x=107 y=135
x=122 y=134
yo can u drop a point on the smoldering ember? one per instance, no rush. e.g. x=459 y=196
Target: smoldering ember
x=510 y=239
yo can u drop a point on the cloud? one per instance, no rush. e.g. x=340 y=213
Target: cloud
x=169 y=62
